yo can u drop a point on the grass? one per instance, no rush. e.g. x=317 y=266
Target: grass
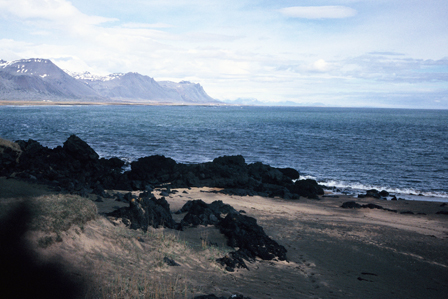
x=141 y=286
x=56 y=213
x=121 y=263
x=7 y=143
x=129 y=263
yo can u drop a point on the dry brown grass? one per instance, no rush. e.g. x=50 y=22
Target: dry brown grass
x=6 y=143
x=58 y=212
x=140 y=286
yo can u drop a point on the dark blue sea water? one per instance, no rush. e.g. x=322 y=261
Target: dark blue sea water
x=403 y=151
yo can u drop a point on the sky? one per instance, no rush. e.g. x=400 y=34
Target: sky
x=349 y=53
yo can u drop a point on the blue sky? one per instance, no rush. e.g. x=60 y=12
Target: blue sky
x=358 y=53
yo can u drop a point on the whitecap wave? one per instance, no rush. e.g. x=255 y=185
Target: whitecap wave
x=407 y=193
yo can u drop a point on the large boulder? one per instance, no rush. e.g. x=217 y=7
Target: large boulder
x=79 y=149
x=201 y=213
x=228 y=172
x=243 y=232
x=146 y=211
x=234 y=259
x=308 y=188
x=267 y=175
x=154 y=169
x=291 y=173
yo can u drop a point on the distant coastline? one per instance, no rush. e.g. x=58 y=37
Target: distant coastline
x=69 y=103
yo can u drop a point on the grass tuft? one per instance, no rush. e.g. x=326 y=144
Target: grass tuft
x=57 y=213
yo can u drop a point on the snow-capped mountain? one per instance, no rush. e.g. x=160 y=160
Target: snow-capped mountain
x=41 y=79
x=87 y=76
x=131 y=86
x=37 y=79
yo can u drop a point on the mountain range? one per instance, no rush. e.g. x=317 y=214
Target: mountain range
x=40 y=79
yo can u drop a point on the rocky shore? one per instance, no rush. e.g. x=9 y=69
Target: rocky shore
x=75 y=167
x=254 y=231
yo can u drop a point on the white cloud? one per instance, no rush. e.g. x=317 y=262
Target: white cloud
x=318 y=12
x=243 y=50
x=145 y=25
x=53 y=10
x=320 y=65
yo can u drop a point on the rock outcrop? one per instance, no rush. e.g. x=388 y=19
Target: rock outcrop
x=355 y=205
x=201 y=213
x=77 y=168
x=146 y=211
x=243 y=232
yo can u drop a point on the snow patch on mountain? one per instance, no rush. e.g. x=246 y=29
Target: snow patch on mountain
x=87 y=76
x=41 y=79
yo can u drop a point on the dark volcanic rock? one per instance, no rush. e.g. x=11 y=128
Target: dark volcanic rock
x=156 y=168
x=170 y=262
x=384 y=193
x=267 y=174
x=290 y=173
x=200 y=213
x=375 y=194
x=373 y=206
x=238 y=192
x=243 y=231
x=145 y=212
x=308 y=188
x=228 y=172
x=79 y=149
x=234 y=260
x=76 y=167
x=351 y=205
x=354 y=205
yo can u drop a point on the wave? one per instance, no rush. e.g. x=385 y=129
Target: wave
x=408 y=193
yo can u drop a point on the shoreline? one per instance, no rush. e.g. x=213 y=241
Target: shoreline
x=112 y=103
x=392 y=194
x=399 y=195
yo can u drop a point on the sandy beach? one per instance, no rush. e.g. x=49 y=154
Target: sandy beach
x=332 y=252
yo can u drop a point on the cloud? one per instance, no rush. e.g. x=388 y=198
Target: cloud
x=51 y=10
x=240 y=48
x=144 y=25
x=318 y=12
x=320 y=65
x=385 y=53
x=395 y=68
x=210 y=37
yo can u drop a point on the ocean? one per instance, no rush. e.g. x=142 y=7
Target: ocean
x=402 y=151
